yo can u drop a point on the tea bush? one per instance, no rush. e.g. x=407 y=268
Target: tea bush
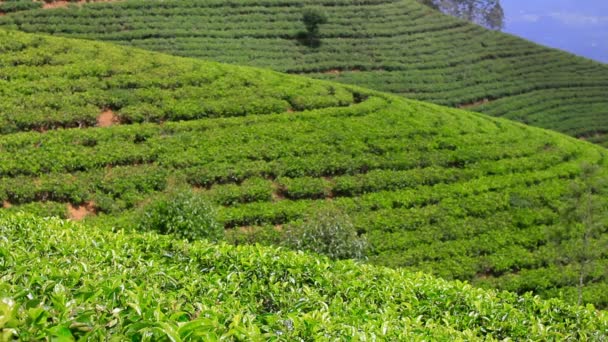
x=329 y=232
x=63 y=281
x=183 y=214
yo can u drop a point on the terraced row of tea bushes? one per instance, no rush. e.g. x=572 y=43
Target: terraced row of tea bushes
x=370 y=175
x=9 y=6
x=45 y=82
x=567 y=110
x=61 y=284
x=397 y=46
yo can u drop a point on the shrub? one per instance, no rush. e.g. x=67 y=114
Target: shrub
x=329 y=232
x=183 y=214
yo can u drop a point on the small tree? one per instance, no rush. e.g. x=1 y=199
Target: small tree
x=183 y=214
x=312 y=18
x=584 y=218
x=328 y=231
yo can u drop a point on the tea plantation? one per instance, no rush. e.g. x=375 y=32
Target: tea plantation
x=60 y=284
x=439 y=190
x=397 y=46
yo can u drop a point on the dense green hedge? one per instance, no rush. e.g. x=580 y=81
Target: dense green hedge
x=397 y=46
x=61 y=284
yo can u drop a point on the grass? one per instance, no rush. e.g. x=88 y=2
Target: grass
x=451 y=193
x=61 y=284
x=396 y=46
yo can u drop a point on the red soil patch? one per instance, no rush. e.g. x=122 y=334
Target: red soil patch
x=339 y=71
x=473 y=104
x=57 y=4
x=277 y=192
x=247 y=229
x=78 y=213
x=6 y=204
x=107 y=119
x=63 y=3
x=333 y=72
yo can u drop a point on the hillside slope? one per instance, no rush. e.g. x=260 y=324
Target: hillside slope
x=396 y=46
x=60 y=284
x=91 y=128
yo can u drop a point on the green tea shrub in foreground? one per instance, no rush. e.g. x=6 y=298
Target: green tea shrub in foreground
x=64 y=282
x=329 y=232
x=183 y=214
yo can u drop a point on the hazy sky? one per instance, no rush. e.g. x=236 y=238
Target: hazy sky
x=577 y=26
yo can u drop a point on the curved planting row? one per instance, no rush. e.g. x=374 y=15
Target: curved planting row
x=47 y=84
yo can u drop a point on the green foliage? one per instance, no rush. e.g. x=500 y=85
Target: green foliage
x=585 y=223
x=43 y=209
x=430 y=3
x=265 y=235
x=312 y=18
x=59 y=283
x=304 y=187
x=329 y=232
x=183 y=214
x=402 y=47
x=254 y=189
x=137 y=87
x=8 y=6
x=454 y=194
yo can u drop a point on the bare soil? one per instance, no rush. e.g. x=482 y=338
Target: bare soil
x=339 y=71
x=277 y=193
x=247 y=229
x=107 y=118
x=333 y=72
x=473 y=104
x=62 y=3
x=6 y=204
x=78 y=213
